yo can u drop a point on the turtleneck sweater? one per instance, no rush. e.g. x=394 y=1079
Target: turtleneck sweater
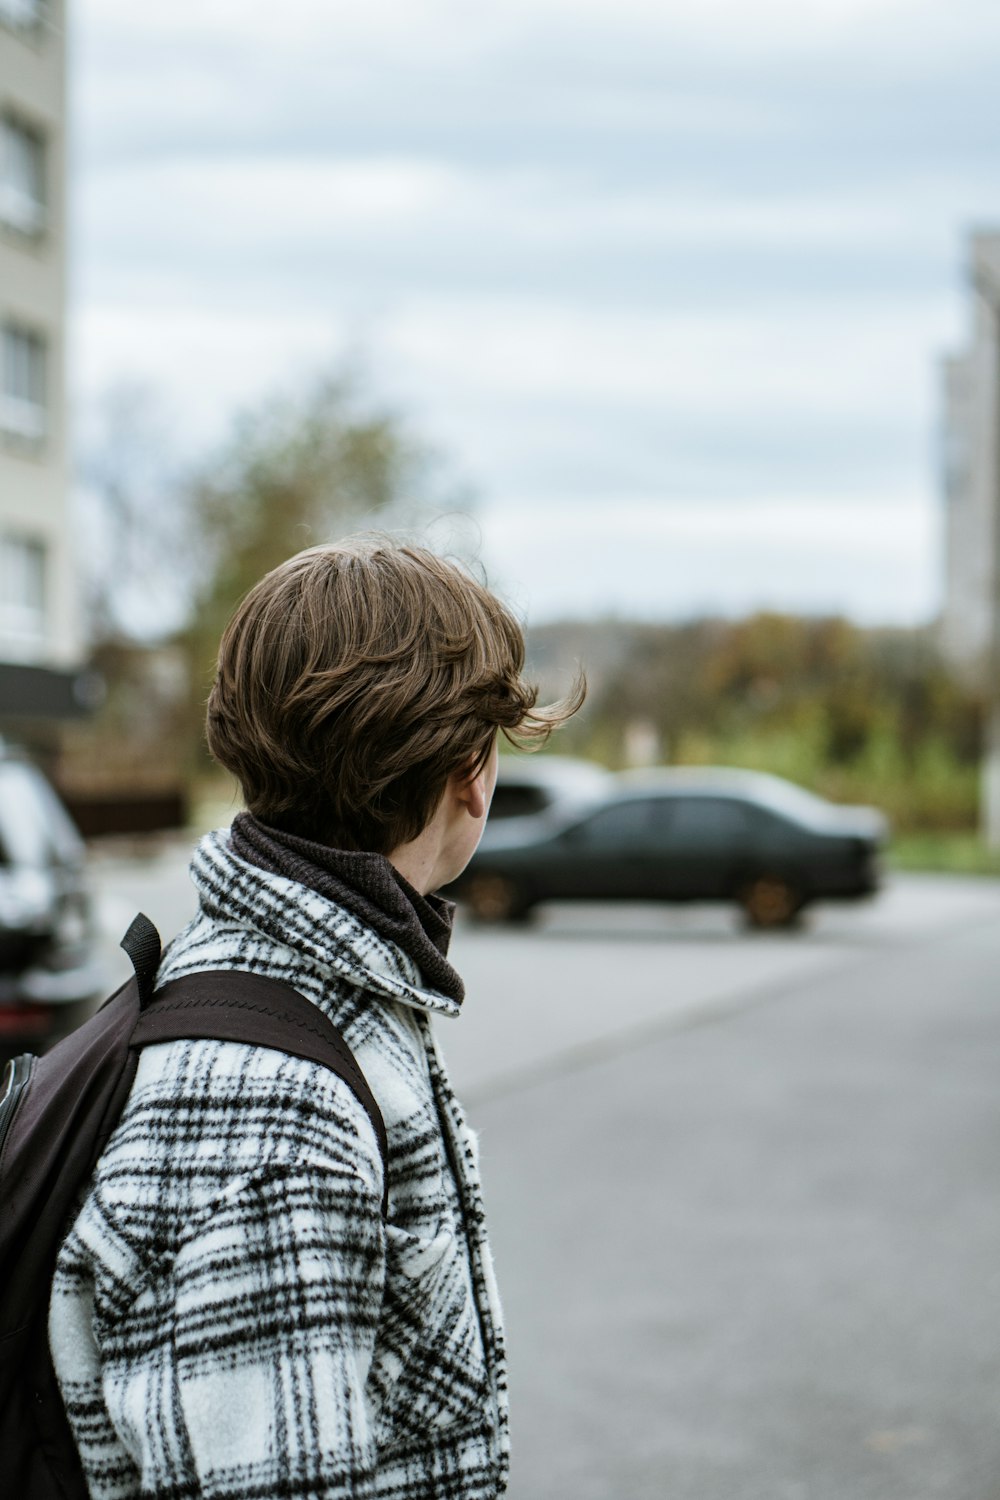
x=365 y=884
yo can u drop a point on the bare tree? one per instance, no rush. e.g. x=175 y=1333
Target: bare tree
x=132 y=520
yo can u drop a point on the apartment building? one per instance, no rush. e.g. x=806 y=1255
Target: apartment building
x=971 y=452
x=970 y=620
x=39 y=639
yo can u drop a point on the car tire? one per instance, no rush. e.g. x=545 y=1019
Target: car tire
x=770 y=901
x=495 y=898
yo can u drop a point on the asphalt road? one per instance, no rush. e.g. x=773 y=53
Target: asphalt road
x=743 y=1191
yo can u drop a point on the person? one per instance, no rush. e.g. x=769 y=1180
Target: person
x=232 y=1315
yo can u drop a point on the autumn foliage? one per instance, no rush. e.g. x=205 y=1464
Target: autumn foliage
x=859 y=715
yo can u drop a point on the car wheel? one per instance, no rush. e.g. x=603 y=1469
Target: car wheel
x=770 y=901
x=495 y=898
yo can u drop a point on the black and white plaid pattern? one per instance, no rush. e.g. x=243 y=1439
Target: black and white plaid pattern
x=231 y=1318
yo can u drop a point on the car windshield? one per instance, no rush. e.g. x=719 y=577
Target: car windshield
x=35 y=828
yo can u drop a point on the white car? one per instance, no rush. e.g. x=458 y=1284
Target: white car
x=49 y=974
x=528 y=784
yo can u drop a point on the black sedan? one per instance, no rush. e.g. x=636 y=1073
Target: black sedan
x=681 y=835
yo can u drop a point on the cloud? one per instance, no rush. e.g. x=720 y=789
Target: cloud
x=765 y=360
x=524 y=387
x=612 y=87
x=447 y=30
x=872 y=559
x=256 y=203
x=620 y=254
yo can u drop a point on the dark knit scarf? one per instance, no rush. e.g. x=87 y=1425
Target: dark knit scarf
x=368 y=886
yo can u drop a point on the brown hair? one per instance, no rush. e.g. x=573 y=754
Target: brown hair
x=355 y=678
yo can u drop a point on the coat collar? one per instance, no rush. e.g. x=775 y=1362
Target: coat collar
x=248 y=901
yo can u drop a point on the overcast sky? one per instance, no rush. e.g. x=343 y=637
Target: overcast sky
x=669 y=283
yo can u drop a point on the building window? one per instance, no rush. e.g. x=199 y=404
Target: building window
x=22 y=595
x=22 y=15
x=22 y=176
x=22 y=384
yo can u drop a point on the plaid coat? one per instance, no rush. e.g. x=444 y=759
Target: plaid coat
x=231 y=1317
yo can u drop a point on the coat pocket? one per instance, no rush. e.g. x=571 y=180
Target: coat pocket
x=428 y=1369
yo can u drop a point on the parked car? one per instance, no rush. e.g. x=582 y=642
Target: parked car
x=49 y=973
x=530 y=784
x=681 y=835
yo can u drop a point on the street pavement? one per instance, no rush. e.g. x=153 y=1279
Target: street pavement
x=742 y=1190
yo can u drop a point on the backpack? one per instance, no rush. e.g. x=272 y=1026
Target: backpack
x=57 y=1113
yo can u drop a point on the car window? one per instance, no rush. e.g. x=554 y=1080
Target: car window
x=513 y=801
x=35 y=828
x=773 y=824
x=707 y=821
x=628 y=822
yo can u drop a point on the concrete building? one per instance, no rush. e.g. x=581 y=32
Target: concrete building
x=970 y=625
x=39 y=634
x=965 y=619
x=971 y=464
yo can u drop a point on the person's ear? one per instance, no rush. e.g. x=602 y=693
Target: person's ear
x=469 y=791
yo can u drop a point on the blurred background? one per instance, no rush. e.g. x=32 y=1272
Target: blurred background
x=681 y=323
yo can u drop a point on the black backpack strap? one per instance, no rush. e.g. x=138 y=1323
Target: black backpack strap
x=142 y=944
x=232 y=1005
